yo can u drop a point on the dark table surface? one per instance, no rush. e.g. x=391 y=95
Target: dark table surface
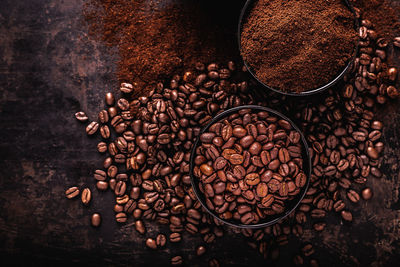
x=49 y=69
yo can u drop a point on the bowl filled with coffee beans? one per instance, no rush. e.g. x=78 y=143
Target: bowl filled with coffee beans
x=250 y=166
x=300 y=47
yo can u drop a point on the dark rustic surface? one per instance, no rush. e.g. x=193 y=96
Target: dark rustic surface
x=49 y=69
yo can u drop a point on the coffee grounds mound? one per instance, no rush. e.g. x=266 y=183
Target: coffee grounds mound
x=296 y=46
x=156 y=39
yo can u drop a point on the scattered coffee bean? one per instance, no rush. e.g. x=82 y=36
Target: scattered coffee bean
x=161 y=240
x=366 y=193
x=86 y=196
x=110 y=100
x=151 y=243
x=177 y=260
x=96 y=219
x=92 y=128
x=200 y=250
x=81 y=116
x=72 y=192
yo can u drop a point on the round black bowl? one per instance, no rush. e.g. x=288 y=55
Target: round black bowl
x=291 y=205
x=243 y=15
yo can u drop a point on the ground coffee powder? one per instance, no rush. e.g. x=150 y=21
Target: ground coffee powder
x=158 y=38
x=298 y=45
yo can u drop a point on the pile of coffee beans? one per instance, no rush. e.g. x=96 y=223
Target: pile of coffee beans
x=147 y=144
x=249 y=165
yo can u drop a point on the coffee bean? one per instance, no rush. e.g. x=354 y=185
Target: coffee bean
x=353 y=196
x=100 y=175
x=177 y=260
x=102 y=147
x=96 y=219
x=161 y=240
x=110 y=99
x=72 y=192
x=81 y=116
x=151 y=243
x=126 y=88
x=92 y=128
x=175 y=237
x=123 y=104
x=103 y=116
x=366 y=193
x=346 y=215
x=86 y=196
x=102 y=185
x=200 y=250
x=213 y=263
x=121 y=217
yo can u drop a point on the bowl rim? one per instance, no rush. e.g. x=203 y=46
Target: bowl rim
x=314 y=91
x=306 y=165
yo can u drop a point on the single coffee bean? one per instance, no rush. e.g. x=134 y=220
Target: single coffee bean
x=200 y=250
x=110 y=99
x=161 y=240
x=102 y=147
x=213 y=263
x=96 y=219
x=126 y=88
x=103 y=116
x=151 y=243
x=81 y=116
x=346 y=215
x=121 y=217
x=353 y=196
x=86 y=196
x=177 y=260
x=92 y=128
x=175 y=237
x=139 y=226
x=72 y=192
x=366 y=193
x=100 y=175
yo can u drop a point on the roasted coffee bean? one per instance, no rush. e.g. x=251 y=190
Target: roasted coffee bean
x=95 y=219
x=213 y=263
x=366 y=193
x=139 y=226
x=110 y=99
x=121 y=217
x=346 y=215
x=92 y=128
x=81 y=116
x=103 y=116
x=102 y=185
x=200 y=250
x=86 y=196
x=126 y=88
x=102 y=147
x=151 y=243
x=175 y=237
x=177 y=260
x=353 y=196
x=161 y=240
x=72 y=192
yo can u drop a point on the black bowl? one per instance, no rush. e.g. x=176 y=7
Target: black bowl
x=291 y=205
x=244 y=13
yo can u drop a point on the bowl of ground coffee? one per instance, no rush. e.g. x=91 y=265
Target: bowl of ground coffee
x=250 y=167
x=298 y=47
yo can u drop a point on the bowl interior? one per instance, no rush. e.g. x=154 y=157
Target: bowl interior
x=243 y=15
x=290 y=205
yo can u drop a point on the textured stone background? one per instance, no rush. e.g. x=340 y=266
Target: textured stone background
x=49 y=69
